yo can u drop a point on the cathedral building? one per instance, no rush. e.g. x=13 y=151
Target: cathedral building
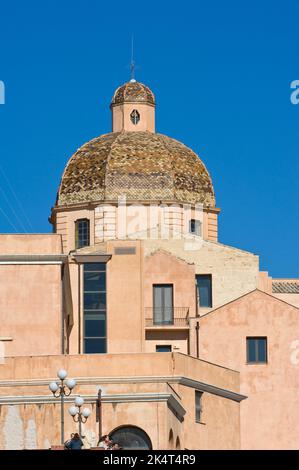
x=190 y=345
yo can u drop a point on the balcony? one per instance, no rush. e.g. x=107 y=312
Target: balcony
x=166 y=318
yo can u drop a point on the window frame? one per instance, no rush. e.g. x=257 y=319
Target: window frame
x=198 y=406
x=163 y=322
x=164 y=346
x=211 y=290
x=256 y=339
x=77 y=245
x=135 y=117
x=197 y=225
x=94 y=268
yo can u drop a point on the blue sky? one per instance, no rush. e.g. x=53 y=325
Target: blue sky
x=221 y=73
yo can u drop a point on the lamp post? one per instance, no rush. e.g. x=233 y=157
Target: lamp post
x=78 y=415
x=60 y=391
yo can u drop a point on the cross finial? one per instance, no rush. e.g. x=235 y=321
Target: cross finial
x=132 y=64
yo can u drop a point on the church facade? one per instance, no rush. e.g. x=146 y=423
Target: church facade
x=189 y=343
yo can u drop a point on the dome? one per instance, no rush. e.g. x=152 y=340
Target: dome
x=133 y=92
x=144 y=166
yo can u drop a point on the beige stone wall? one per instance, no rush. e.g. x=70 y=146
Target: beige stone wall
x=141 y=221
x=269 y=417
x=65 y=226
x=132 y=276
x=234 y=272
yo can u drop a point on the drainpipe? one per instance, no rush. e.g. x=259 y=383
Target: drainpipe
x=197 y=339
x=62 y=308
x=79 y=308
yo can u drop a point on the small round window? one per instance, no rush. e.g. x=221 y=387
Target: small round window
x=135 y=117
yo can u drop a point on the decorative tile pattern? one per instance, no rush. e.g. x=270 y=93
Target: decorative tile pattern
x=140 y=165
x=133 y=92
x=285 y=287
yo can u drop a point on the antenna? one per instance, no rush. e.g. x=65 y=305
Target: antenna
x=132 y=64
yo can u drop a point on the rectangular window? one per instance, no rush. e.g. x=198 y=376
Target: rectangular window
x=82 y=233
x=94 y=303
x=163 y=348
x=163 y=304
x=256 y=350
x=204 y=290
x=198 y=406
x=195 y=227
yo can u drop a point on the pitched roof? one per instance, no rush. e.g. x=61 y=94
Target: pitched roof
x=285 y=287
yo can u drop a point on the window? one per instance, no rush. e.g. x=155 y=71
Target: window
x=204 y=290
x=195 y=227
x=135 y=116
x=163 y=304
x=94 y=302
x=256 y=350
x=131 y=437
x=82 y=233
x=163 y=348
x=198 y=406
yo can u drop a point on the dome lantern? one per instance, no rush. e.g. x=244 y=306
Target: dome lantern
x=133 y=108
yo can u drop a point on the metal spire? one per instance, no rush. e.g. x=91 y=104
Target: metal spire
x=132 y=64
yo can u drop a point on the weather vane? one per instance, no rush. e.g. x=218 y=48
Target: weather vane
x=132 y=64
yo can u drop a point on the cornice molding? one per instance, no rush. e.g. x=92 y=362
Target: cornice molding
x=33 y=259
x=168 y=398
x=182 y=380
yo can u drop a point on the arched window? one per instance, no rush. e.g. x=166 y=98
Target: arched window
x=131 y=437
x=170 y=439
x=135 y=116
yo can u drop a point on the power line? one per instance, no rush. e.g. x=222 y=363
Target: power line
x=8 y=219
x=16 y=198
x=13 y=211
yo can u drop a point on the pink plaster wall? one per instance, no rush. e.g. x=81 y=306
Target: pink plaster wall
x=31 y=244
x=30 y=309
x=270 y=415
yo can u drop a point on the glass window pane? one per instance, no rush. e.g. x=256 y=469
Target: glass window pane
x=82 y=233
x=94 y=267
x=251 y=350
x=195 y=226
x=163 y=304
x=262 y=350
x=162 y=348
x=131 y=438
x=198 y=396
x=94 y=300
x=94 y=281
x=94 y=325
x=204 y=286
x=94 y=345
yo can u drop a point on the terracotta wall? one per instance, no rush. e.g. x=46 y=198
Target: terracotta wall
x=32 y=244
x=30 y=309
x=36 y=423
x=270 y=416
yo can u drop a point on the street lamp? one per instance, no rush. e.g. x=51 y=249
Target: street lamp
x=78 y=415
x=60 y=391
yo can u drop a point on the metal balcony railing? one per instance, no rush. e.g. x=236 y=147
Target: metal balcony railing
x=166 y=316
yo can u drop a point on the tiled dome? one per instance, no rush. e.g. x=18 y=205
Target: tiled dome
x=144 y=166
x=133 y=92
